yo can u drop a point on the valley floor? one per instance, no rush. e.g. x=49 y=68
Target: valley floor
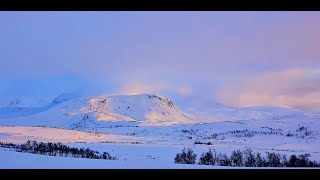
x=151 y=148
x=17 y=160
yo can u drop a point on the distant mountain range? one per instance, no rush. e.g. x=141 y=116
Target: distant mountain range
x=68 y=111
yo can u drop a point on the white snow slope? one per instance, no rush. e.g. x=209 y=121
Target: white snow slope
x=146 y=109
x=149 y=129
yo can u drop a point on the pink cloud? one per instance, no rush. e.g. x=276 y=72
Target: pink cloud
x=297 y=88
x=185 y=90
x=140 y=88
x=153 y=88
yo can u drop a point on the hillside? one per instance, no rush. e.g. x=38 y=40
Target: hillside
x=66 y=112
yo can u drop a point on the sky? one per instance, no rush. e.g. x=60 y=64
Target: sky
x=195 y=58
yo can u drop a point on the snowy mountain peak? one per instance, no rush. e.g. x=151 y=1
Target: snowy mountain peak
x=63 y=97
x=147 y=108
x=17 y=102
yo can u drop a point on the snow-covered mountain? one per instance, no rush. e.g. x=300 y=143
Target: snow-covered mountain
x=213 y=112
x=20 y=107
x=23 y=101
x=143 y=108
x=63 y=97
x=17 y=102
x=155 y=122
x=66 y=112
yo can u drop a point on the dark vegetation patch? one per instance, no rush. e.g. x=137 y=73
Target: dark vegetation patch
x=57 y=149
x=246 y=158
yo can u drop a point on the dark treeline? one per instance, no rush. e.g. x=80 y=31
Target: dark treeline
x=247 y=133
x=246 y=158
x=56 y=149
x=301 y=132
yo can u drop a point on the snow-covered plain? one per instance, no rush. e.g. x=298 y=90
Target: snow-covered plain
x=147 y=131
x=15 y=160
x=21 y=134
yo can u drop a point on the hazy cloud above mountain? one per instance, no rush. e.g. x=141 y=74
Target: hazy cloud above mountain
x=154 y=88
x=299 y=88
x=198 y=54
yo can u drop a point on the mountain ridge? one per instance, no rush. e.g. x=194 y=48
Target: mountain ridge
x=146 y=109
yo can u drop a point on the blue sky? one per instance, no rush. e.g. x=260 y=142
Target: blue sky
x=187 y=56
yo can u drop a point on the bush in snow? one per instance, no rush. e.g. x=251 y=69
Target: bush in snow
x=223 y=160
x=208 y=158
x=260 y=161
x=274 y=160
x=303 y=160
x=57 y=149
x=186 y=157
x=236 y=158
x=247 y=158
